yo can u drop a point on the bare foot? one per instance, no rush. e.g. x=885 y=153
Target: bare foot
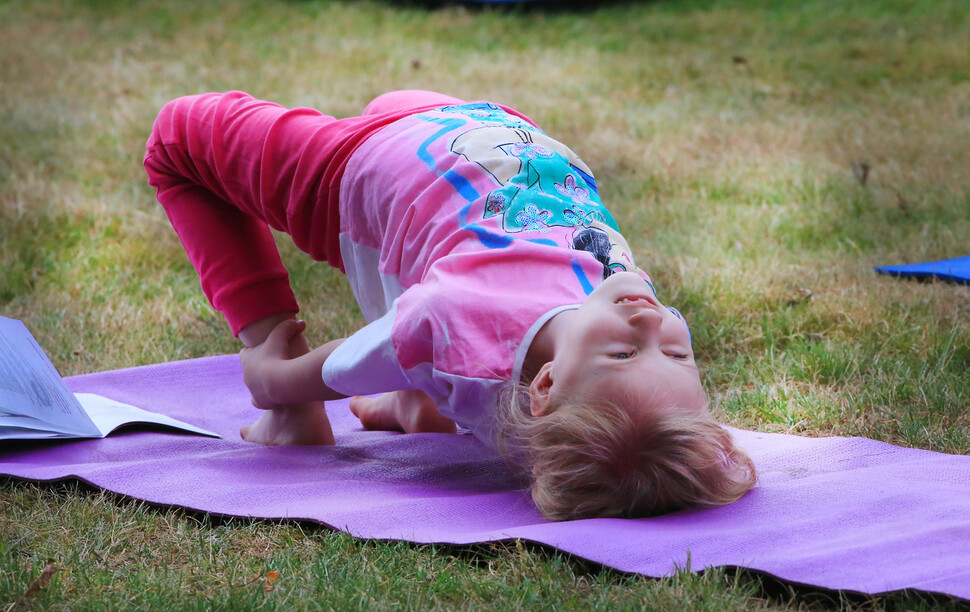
x=407 y=411
x=302 y=425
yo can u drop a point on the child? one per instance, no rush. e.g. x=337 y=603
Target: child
x=498 y=291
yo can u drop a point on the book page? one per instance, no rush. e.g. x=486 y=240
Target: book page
x=26 y=428
x=31 y=387
x=109 y=415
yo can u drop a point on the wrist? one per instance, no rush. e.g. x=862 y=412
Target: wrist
x=256 y=332
x=275 y=382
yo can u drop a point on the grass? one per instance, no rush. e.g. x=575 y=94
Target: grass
x=729 y=138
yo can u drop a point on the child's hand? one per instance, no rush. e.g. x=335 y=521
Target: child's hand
x=283 y=376
x=265 y=366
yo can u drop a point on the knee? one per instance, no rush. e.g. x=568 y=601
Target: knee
x=163 y=130
x=171 y=120
x=169 y=132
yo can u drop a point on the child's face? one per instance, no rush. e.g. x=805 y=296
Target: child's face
x=622 y=344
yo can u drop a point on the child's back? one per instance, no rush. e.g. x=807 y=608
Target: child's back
x=465 y=227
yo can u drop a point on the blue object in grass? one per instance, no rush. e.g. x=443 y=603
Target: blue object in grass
x=955 y=270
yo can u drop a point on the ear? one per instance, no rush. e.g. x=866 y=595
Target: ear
x=539 y=391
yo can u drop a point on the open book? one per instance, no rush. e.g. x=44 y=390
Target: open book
x=35 y=403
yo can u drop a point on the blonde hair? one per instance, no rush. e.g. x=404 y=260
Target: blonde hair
x=601 y=459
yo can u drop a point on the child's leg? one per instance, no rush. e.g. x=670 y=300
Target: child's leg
x=204 y=158
x=407 y=411
x=227 y=167
x=407 y=99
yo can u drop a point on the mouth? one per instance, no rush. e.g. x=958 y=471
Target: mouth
x=635 y=299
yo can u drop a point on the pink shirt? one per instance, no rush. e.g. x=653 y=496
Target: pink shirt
x=462 y=231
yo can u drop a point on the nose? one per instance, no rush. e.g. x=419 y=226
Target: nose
x=647 y=321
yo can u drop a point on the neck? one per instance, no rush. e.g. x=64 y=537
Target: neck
x=545 y=344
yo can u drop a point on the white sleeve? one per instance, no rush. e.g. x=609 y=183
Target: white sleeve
x=366 y=362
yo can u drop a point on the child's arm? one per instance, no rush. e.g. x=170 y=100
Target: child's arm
x=280 y=371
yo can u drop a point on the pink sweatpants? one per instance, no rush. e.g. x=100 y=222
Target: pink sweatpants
x=227 y=167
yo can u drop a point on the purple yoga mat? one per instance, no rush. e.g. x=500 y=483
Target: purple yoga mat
x=839 y=513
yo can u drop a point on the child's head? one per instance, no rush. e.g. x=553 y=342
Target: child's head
x=617 y=423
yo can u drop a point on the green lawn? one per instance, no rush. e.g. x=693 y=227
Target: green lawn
x=761 y=157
